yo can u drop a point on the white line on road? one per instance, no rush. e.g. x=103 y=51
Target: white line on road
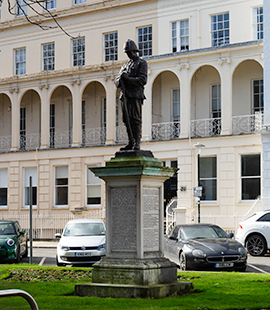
x=259 y=269
x=42 y=261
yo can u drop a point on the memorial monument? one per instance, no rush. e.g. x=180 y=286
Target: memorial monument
x=134 y=265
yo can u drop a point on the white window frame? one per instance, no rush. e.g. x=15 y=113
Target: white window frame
x=62 y=185
x=79 y=52
x=257 y=22
x=50 y=5
x=110 y=43
x=211 y=178
x=4 y=184
x=75 y=2
x=180 y=35
x=31 y=171
x=249 y=177
x=215 y=30
x=24 y=7
x=261 y=96
x=50 y=56
x=98 y=183
x=145 y=40
x=20 y=61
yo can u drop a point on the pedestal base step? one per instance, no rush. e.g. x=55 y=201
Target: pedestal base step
x=133 y=291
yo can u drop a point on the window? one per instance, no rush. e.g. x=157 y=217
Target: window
x=79 y=1
x=61 y=186
x=22 y=128
x=48 y=56
x=50 y=4
x=104 y=120
x=145 y=41
x=83 y=122
x=208 y=178
x=250 y=176
x=3 y=187
x=265 y=218
x=111 y=46
x=93 y=189
x=220 y=29
x=258 y=23
x=180 y=36
x=216 y=109
x=175 y=113
x=258 y=100
x=20 y=61
x=30 y=172
x=22 y=7
x=78 y=52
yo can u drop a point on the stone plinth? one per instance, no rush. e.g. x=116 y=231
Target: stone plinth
x=134 y=262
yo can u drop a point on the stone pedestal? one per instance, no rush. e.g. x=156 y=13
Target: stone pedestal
x=134 y=265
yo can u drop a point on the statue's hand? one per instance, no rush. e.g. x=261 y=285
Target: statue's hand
x=124 y=76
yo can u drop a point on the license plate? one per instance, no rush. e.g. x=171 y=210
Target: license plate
x=83 y=254
x=224 y=265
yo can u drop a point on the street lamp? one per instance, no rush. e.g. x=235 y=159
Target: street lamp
x=199 y=147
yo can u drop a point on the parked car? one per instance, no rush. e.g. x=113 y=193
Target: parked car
x=82 y=242
x=254 y=233
x=13 y=242
x=204 y=247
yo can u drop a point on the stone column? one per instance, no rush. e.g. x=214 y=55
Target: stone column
x=266 y=133
x=15 y=119
x=147 y=110
x=110 y=110
x=77 y=113
x=45 y=119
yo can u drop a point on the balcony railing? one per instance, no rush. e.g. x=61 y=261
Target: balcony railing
x=121 y=136
x=209 y=127
x=246 y=124
x=165 y=131
x=5 y=144
x=94 y=136
x=30 y=141
x=60 y=139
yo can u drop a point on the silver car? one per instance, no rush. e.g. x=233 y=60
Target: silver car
x=82 y=242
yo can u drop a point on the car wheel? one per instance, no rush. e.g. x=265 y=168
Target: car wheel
x=256 y=245
x=182 y=261
x=59 y=264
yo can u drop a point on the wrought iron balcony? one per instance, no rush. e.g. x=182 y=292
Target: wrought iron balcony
x=29 y=141
x=5 y=144
x=60 y=139
x=246 y=124
x=94 y=136
x=121 y=136
x=209 y=127
x=165 y=131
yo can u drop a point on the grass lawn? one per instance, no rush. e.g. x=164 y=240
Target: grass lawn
x=55 y=290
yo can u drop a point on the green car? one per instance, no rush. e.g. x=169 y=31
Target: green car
x=13 y=242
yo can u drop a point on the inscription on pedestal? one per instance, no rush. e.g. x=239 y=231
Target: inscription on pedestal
x=150 y=219
x=124 y=226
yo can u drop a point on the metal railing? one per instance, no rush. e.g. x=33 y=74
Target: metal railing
x=170 y=214
x=5 y=144
x=94 y=136
x=21 y=293
x=246 y=124
x=209 y=127
x=46 y=226
x=61 y=139
x=165 y=131
x=29 y=141
x=121 y=136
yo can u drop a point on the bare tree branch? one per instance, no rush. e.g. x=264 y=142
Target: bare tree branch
x=46 y=14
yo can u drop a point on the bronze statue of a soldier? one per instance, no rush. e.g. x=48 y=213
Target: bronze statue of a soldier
x=131 y=79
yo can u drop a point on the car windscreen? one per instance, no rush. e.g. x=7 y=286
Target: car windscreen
x=202 y=232
x=84 y=229
x=7 y=229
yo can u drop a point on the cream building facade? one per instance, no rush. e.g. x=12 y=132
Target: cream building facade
x=60 y=115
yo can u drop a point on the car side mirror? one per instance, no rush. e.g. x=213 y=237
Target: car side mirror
x=22 y=232
x=173 y=238
x=231 y=235
x=58 y=236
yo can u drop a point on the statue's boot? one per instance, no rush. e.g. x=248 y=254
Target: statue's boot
x=137 y=129
x=129 y=146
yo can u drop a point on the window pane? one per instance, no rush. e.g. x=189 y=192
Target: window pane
x=61 y=196
x=3 y=196
x=251 y=188
x=209 y=191
x=208 y=167
x=251 y=165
